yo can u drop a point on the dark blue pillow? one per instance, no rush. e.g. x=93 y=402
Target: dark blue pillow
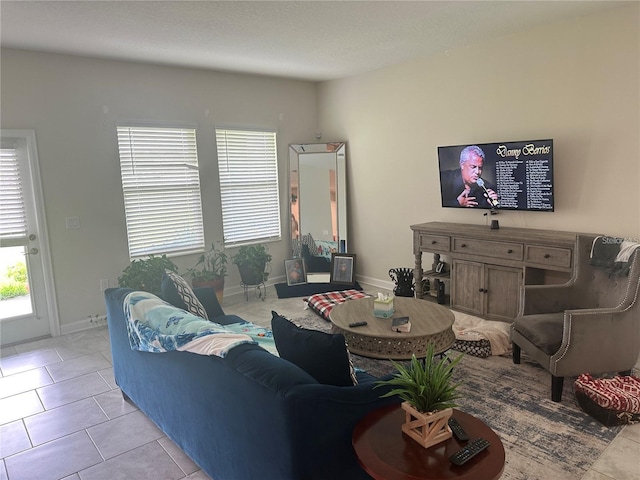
x=322 y=355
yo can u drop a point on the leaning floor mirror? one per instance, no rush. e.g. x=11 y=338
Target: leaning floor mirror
x=318 y=204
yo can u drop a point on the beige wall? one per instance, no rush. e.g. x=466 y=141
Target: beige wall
x=576 y=82
x=74 y=104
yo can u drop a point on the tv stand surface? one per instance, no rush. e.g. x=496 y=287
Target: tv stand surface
x=488 y=266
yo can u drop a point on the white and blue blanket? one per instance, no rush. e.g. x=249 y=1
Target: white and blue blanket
x=157 y=326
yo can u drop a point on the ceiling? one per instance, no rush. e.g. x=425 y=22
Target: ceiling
x=307 y=40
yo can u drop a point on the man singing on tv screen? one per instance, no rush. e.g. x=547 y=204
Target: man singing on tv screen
x=465 y=187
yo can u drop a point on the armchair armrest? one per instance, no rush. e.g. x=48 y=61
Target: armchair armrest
x=590 y=330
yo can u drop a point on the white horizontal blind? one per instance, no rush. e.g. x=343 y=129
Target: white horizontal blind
x=13 y=216
x=249 y=193
x=161 y=185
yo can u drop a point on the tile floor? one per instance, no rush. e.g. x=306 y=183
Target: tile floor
x=63 y=417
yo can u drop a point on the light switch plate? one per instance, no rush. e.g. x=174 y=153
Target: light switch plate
x=72 y=222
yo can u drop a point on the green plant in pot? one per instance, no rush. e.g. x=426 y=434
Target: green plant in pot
x=146 y=274
x=429 y=395
x=210 y=270
x=252 y=261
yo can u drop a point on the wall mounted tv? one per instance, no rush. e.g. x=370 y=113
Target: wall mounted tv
x=503 y=175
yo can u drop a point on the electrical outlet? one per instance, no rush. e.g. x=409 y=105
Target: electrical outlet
x=97 y=320
x=72 y=222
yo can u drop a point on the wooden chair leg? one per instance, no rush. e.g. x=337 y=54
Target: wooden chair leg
x=515 y=353
x=556 y=388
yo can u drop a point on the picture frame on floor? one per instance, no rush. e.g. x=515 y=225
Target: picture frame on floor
x=295 y=271
x=343 y=267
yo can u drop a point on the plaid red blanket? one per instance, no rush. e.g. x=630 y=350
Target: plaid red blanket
x=322 y=303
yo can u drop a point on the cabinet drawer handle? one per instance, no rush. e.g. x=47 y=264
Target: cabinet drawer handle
x=509 y=251
x=462 y=245
x=433 y=242
x=546 y=255
x=483 y=290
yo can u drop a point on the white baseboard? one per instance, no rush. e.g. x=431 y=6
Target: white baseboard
x=375 y=283
x=84 y=324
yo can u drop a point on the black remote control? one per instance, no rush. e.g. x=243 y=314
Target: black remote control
x=465 y=454
x=457 y=430
x=357 y=324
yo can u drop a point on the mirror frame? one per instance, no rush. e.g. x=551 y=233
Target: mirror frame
x=337 y=153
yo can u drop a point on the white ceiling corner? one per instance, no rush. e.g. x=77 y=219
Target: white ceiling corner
x=308 y=40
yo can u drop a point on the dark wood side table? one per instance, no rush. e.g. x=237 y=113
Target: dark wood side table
x=385 y=453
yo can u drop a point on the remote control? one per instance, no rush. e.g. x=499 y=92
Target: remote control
x=465 y=454
x=357 y=324
x=457 y=430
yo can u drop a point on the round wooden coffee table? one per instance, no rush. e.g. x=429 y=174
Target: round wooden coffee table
x=430 y=323
x=386 y=453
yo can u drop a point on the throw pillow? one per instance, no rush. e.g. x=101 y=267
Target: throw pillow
x=322 y=355
x=176 y=290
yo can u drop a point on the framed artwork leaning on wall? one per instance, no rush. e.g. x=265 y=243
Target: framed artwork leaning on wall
x=343 y=268
x=296 y=273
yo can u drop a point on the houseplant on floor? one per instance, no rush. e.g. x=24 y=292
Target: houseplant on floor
x=252 y=261
x=146 y=274
x=429 y=396
x=210 y=270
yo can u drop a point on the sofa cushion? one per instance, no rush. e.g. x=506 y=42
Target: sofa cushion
x=254 y=362
x=178 y=292
x=322 y=355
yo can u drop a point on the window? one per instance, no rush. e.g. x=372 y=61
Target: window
x=161 y=186
x=13 y=216
x=248 y=167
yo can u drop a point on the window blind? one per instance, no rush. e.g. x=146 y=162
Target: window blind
x=249 y=193
x=13 y=215
x=161 y=186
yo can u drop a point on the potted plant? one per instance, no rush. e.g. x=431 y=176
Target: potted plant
x=252 y=261
x=146 y=274
x=429 y=396
x=210 y=270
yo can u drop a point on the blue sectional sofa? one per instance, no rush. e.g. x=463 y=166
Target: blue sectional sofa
x=248 y=416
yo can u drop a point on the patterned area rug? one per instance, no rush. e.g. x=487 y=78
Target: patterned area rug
x=543 y=440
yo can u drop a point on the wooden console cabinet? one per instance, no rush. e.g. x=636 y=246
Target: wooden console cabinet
x=488 y=267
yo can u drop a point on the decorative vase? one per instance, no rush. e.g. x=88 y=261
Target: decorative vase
x=403 y=278
x=427 y=428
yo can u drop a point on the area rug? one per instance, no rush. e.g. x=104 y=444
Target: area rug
x=307 y=289
x=543 y=440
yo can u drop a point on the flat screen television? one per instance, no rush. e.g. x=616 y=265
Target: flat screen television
x=502 y=175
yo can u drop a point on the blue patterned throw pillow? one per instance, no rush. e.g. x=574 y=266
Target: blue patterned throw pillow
x=184 y=291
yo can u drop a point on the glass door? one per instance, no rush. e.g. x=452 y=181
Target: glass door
x=27 y=308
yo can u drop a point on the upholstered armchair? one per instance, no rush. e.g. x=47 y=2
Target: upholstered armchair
x=590 y=324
